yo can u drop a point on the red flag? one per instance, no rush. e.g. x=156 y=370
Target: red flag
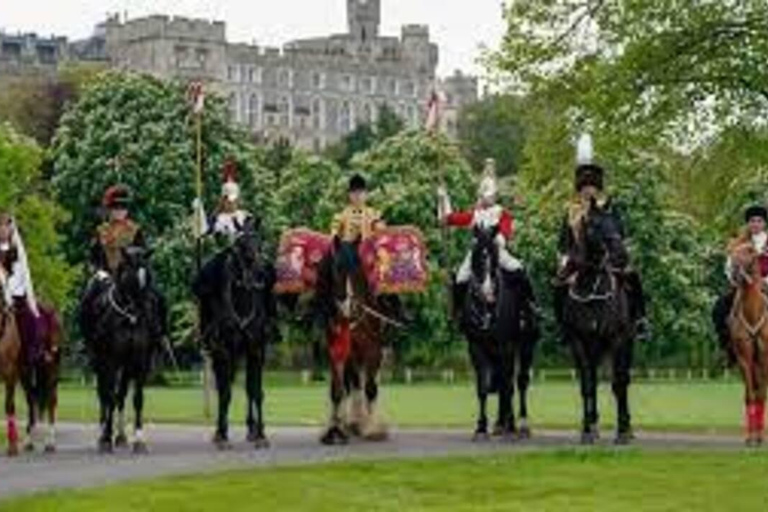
x=196 y=96
x=433 y=112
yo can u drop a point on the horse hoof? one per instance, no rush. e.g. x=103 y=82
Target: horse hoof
x=588 y=438
x=13 y=450
x=481 y=437
x=334 y=436
x=355 y=430
x=222 y=442
x=50 y=448
x=623 y=439
x=524 y=433
x=29 y=447
x=376 y=436
x=140 y=448
x=121 y=441
x=105 y=447
x=497 y=431
x=261 y=443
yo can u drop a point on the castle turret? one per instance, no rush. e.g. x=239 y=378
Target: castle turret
x=364 y=19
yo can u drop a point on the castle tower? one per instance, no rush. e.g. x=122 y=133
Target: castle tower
x=364 y=18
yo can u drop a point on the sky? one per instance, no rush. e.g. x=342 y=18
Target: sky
x=460 y=27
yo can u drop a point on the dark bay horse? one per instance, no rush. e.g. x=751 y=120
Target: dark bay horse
x=10 y=365
x=354 y=330
x=502 y=333
x=596 y=316
x=40 y=378
x=748 y=326
x=121 y=325
x=235 y=290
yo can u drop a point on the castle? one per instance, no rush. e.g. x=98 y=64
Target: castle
x=311 y=91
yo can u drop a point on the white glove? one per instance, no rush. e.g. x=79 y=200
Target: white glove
x=102 y=275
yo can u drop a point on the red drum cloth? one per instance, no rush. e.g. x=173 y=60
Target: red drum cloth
x=298 y=258
x=395 y=260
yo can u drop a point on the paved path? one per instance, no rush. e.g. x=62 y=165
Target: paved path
x=187 y=449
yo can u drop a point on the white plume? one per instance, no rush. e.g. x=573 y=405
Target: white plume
x=584 y=151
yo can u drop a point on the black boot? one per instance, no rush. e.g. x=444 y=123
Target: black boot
x=459 y=296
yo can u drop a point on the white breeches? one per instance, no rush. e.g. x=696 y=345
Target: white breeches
x=506 y=262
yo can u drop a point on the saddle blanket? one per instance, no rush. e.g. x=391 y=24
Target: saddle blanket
x=395 y=260
x=298 y=258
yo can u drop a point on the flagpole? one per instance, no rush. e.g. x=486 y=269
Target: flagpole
x=198 y=102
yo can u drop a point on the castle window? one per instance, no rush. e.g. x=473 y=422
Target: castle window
x=232 y=73
x=253 y=110
x=318 y=80
x=347 y=83
x=233 y=106
x=393 y=87
x=368 y=113
x=317 y=113
x=345 y=119
x=410 y=88
x=366 y=84
x=251 y=74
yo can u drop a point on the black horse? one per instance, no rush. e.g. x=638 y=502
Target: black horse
x=596 y=317
x=497 y=318
x=122 y=325
x=237 y=308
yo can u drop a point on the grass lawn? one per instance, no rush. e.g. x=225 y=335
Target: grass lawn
x=570 y=480
x=678 y=406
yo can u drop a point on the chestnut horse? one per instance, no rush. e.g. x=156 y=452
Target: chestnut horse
x=354 y=331
x=10 y=367
x=748 y=325
x=40 y=378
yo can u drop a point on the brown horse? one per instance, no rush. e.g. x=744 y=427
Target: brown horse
x=40 y=379
x=748 y=325
x=10 y=367
x=354 y=331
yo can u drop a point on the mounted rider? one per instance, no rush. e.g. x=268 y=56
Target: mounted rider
x=114 y=235
x=589 y=187
x=356 y=223
x=754 y=232
x=18 y=289
x=229 y=217
x=486 y=214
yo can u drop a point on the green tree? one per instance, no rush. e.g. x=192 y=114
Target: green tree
x=27 y=197
x=493 y=128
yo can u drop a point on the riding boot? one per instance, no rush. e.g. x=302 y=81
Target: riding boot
x=559 y=291
x=459 y=296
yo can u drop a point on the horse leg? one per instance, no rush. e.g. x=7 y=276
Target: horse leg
x=745 y=358
x=139 y=442
x=32 y=409
x=588 y=382
x=222 y=369
x=622 y=364
x=255 y=391
x=375 y=429
x=523 y=382
x=10 y=415
x=357 y=419
x=482 y=377
x=52 y=405
x=106 y=388
x=121 y=440
x=335 y=434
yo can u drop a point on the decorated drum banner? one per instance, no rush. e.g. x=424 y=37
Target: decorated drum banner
x=395 y=260
x=298 y=257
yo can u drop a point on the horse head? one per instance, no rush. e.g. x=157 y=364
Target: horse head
x=133 y=276
x=744 y=264
x=602 y=237
x=485 y=261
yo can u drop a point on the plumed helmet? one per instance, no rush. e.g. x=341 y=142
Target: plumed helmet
x=488 y=188
x=756 y=210
x=357 y=183
x=117 y=196
x=230 y=189
x=587 y=172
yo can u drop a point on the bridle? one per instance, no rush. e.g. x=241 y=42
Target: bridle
x=604 y=270
x=355 y=309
